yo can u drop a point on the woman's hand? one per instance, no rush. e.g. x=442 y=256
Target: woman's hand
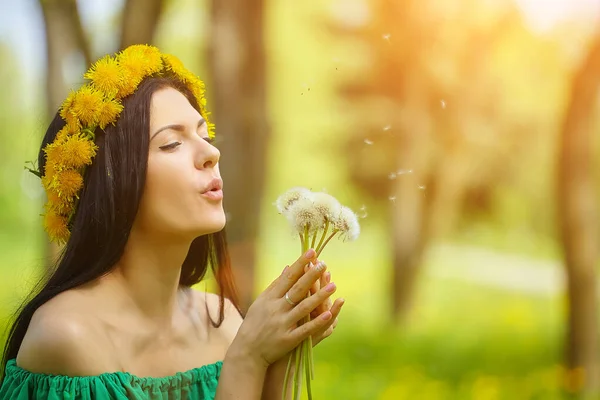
x=270 y=329
x=335 y=309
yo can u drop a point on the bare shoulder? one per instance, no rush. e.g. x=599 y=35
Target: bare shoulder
x=232 y=318
x=61 y=339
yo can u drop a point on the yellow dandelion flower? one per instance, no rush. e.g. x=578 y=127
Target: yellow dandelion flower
x=73 y=127
x=66 y=105
x=53 y=198
x=138 y=62
x=66 y=112
x=153 y=59
x=196 y=82
x=87 y=104
x=211 y=130
x=175 y=65
x=106 y=75
x=63 y=133
x=128 y=86
x=56 y=226
x=78 y=151
x=67 y=183
x=47 y=181
x=109 y=112
x=58 y=205
x=54 y=155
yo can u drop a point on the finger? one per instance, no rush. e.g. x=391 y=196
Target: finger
x=301 y=288
x=325 y=278
x=316 y=286
x=292 y=274
x=306 y=306
x=328 y=329
x=335 y=311
x=326 y=305
x=321 y=308
x=310 y=328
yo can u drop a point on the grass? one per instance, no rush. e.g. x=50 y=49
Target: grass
x=460 y=342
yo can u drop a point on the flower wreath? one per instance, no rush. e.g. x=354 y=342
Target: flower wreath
x=98 y=104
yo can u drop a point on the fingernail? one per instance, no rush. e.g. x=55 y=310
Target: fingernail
x=309 y=254
x=342 y=301
x=330 y=287
x=326 y=315
x=320 y=266
x=328 y=276
x=311 y=265
x=285 y=269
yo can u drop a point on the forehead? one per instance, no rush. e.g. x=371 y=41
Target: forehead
x=169 y=106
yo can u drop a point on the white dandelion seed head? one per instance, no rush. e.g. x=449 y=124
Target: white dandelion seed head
x=347 y=224
x=286 y=200
x=302 y=214
x=326 y=205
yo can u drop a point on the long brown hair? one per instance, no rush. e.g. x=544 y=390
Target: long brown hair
x=108 y=204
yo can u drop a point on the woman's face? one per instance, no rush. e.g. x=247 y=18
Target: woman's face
x=182 y=196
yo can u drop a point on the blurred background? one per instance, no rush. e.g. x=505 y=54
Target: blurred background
x=462 y=132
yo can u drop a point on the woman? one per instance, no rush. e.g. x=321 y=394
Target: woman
x=134 y=193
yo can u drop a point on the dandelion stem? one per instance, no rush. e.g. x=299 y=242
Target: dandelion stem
x=306 y=236
x=314 y=239
x=309 y=367
x=326 y=241
x=299 y=364
x=302 y=247
x=286 y=379
x=324 y=233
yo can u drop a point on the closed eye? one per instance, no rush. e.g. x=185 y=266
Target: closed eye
x=170 y=146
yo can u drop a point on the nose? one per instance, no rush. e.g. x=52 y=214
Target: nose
x=208 y=155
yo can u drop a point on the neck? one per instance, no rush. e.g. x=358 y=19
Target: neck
x=149 y=271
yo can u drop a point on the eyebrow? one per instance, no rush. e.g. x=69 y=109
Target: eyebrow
x=176 y=127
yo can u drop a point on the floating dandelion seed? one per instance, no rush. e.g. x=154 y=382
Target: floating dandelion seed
x=392 y=175
x=368 y=141
x=404 y=171
x=422 y=187
x=392 y=199
x=363 y=212
x=387 y=127
x=443 y=104
x=386 y=36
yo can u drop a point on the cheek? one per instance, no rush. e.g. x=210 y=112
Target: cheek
x=165 y=184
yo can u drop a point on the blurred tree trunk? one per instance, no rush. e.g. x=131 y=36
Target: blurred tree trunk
x=65 y=38
x=578 y=217
x=237 y=68
x=140 y=19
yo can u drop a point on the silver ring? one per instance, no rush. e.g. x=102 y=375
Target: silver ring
x=287 y=298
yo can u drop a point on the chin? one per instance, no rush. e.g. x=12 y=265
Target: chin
x=212 y=224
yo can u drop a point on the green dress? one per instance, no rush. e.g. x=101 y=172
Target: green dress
x=196 y=384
